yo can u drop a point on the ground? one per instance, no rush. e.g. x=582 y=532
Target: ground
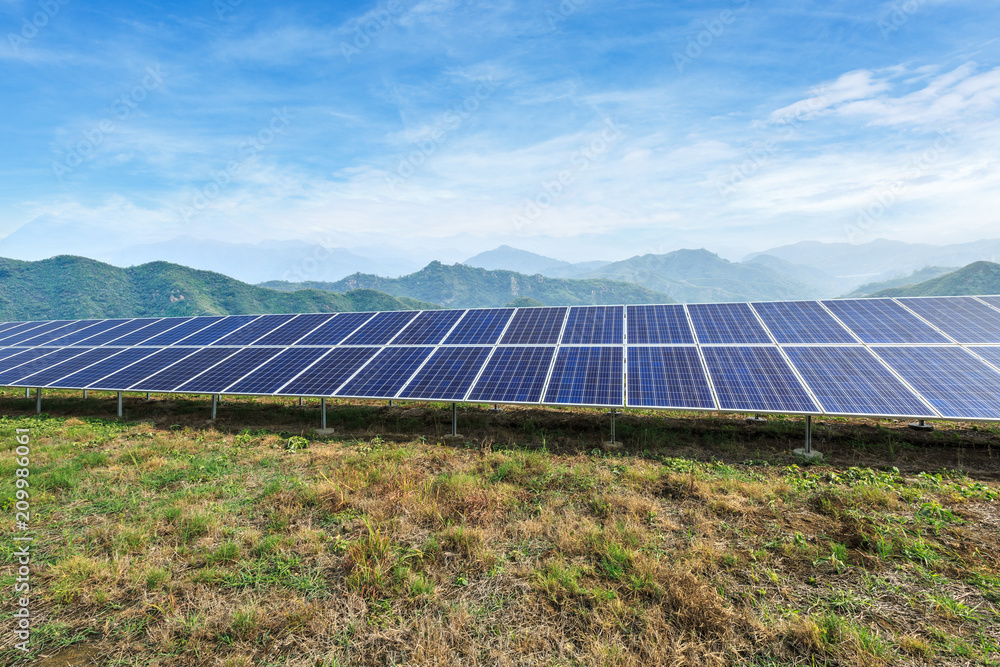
x=168 y=539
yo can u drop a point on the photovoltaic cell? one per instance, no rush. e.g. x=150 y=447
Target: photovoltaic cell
x=294 y=330
x=667 y=377
x=386 y=374
x=82 y=334
x=480 y=327
x=721 y=323
x=882 y=321
x=150 y=331
x=381 y=328
x=514 y=375
x=214 y=332
x=658 y=325
x=115 y=333
x=84 y=377
x=183 y=370
x=801 y=322
x=447 y=375
x=274 y=374
x=954 y=382
x=10 y=352
x=154 y=363
x=333 y=370
x=11 y=334
x=990 y=354
x=755 y=379
x=851 y=381
x=53 y=373
x=992 y=300
x=179 y=332
x=257 y=329
x=220 y=376
x=587 y=376
x=594 y=325
x=43 y=358
x=535 y=326
x=22 y=356
x=962 y=318
x=46 y=333
x=336 y=330
x=428 y=328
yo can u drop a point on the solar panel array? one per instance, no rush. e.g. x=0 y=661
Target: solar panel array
x=928 y=358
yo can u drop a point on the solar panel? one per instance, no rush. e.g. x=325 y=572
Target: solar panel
x=153 y=328
x=852 y=381
x=990 y=354
x=963 y=318
x=294 y=330
x=535 y=326
x=227 y=372
x=386 y=374
x=755 y=379
x=480 y=327
x=882 y=321
x=333 y=370
x=214 y=332
x=337 y=329
x=10 y=351
x=52 y=373
x=721 y=323
x=380 y=329
x=513 y=375
x=801 y=322
x=258 y=328
x=40 y=337
x=667 y=377
x=82 y=334
x=992 y=300
x=44 y=358
x=85 y=376
x=276 y=373
x=594 y=325
x=179 y=332
x=115 y=333
x=12 y=334
x=447 y=375
x=183 y=370
x=428 y=328
x=954 y=382
x=22 y=356
x=587 y=376
x=154 y=363
x=658 y=325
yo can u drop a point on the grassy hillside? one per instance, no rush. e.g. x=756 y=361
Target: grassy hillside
x=67 y=287
x=460 y=286
x=976 y=278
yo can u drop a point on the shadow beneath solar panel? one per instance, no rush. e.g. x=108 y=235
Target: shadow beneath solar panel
x=970 y=447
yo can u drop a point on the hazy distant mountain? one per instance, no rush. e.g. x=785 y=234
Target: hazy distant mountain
x=906 y=281
x=66 y=287
x=976 y=278
x=522 y=261
x=817 y=279
x=460 y=286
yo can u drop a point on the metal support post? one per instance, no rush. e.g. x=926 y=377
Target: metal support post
x=322 y=413
x=300 y=401
x=147 y=395
x=84 y=394
x=215 y=405
x=390 y=403
x=920 y=426
x=613 y=413
x=38 y=399
x=809 y=435
x=27 y=392
x=119 y=405
x=454 y=419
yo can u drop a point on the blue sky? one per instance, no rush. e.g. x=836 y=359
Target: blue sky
x=582 y=129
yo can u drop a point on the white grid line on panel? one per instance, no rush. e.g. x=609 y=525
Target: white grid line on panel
x=701 y=357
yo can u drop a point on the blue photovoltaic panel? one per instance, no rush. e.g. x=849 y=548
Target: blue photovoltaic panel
x=185 y=329
x=276 y=373
x=480 y=327
x=44 y=357
x=882 y=321
x=22 y=356
x=960 y=317
x=447 y=375
x=82 y=378
x=381 y=328
x=220 y=376
x=257 y=329
x=108 y=335
x=83 y=333
x=992 y=300
x=990 y=354
x=429 y=327
x=294 y=330
x=535 y=326
x=146 y=332
x=53 y=373
x=954 y=382
x=587 y=376
x=801 y=322
x=9 y=325
x=667 y=377
x=183 y=370
x=46 y=332
x=154 y=363
x=721 y=323
x=386 y=374
x=214 y=332
x=11 y=333
x=594 y=325
x=851 y=381
x=658 y=325
x=10 y=352
x=755 y=379
x=333 y=370
x=336 y=330
x=514 y=375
